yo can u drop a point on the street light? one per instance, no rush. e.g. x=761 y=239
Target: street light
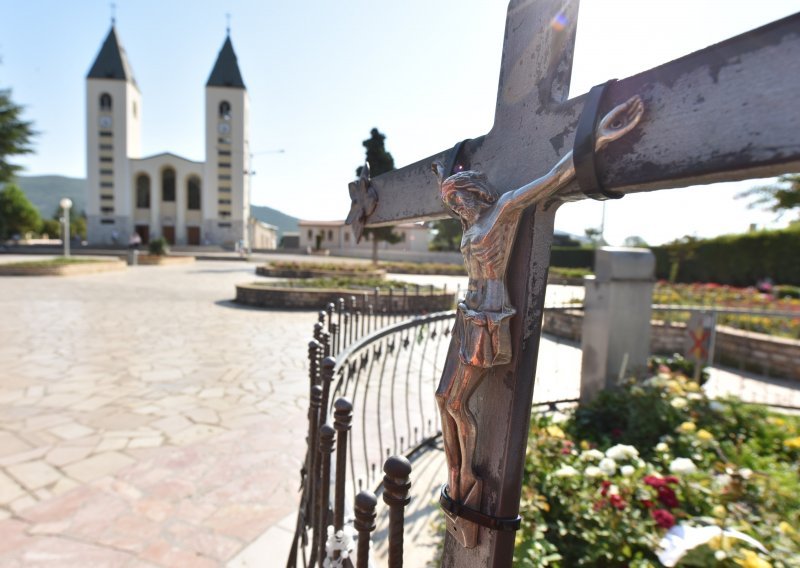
x=66 y=204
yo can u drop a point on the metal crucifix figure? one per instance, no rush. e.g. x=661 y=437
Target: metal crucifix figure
x=482 y=325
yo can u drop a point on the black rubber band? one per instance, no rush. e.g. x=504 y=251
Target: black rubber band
x=495 y=523
x=453 y=158
x=583 y=154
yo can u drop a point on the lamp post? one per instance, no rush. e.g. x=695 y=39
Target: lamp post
x=66 y=204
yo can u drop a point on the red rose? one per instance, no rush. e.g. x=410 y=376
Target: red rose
x=648 y=503
x=667 y=497
x=663 y=518
x=617 y=502
x=653 y=481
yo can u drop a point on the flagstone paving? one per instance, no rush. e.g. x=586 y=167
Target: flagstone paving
x=144 y=419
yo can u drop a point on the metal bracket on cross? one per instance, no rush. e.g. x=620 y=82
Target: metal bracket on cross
x=583 y=153
x=457 y=509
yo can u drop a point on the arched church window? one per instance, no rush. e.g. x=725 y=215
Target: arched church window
x=168 y=184
x=225 y=110
x=193 y=193
x=143 y=191
x=105 y=102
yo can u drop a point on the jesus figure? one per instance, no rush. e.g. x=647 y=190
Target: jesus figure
x=482 y=323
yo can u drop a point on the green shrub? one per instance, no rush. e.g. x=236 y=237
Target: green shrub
x=158 y=247
x=606 y=486
x=738 y=260
x=572 y=257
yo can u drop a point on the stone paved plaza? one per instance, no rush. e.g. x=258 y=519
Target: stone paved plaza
x=144 y=418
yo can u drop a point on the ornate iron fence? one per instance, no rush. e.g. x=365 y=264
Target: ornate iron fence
x=372 y=377
x=384 y=371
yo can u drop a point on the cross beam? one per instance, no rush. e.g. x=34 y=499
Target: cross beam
x=724 y=113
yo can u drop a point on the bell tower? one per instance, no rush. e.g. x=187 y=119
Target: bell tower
x=113 y=134
x=226 y=191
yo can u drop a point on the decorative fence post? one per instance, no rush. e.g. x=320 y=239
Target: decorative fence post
x=313 y=361
x=342 y=417
x=365 y=523
x=326 y=377
x=616 y=322
x=396 y=488
x=326 y=434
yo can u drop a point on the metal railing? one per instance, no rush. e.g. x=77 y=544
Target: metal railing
x=381 y=367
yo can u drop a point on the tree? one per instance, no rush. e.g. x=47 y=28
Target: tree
x=380 y=161
x=595 y=237
x=635 y=241
x=780 y=197
x=77 y=222
x=447 y=235
x=17 y=215
x=15 y=135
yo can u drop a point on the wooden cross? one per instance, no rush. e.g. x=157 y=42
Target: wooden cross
x=727 y=112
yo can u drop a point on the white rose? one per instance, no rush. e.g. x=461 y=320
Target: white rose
x=745 y=472
x=627 y=470
x=720 y=555
x=721 y=481
x=607 y=466
x=621 y=452
x=662 y=447
x=593 y=471
x=565 y=471
x=679 y=402
x=592 y=455
x=682 y=466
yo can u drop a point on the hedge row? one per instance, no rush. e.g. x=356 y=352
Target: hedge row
x=738 y=260
x=572 y=257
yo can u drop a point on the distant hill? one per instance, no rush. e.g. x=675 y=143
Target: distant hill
x=285 y=223
x=46 y=191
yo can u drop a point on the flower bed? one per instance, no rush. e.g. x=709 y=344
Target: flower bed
x=286 y=269
x=780 y=298
x=657 y=474
x=315 y=293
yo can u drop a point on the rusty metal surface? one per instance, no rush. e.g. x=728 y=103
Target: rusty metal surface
x=724 y=113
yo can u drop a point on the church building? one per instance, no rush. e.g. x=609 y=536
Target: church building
x=186 y=202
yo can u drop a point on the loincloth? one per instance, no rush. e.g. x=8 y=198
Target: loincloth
x=485 y=336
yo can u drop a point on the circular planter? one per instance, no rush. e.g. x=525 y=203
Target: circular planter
x=268 y=270
x=154 y=260
x=285 y=297
x=63 y=270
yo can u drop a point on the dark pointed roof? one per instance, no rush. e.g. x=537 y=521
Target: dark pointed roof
x=226 y=70
x=111 y=62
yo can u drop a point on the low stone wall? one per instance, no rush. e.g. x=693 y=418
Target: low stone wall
x=153 y=260
x=756 y=352
x=270 y=271
x=64 y=269
x=317 y=299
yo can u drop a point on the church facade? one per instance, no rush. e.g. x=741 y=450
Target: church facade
x=165 y=195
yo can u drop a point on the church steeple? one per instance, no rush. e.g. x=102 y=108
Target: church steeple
x=111 y=62
x=226 y=70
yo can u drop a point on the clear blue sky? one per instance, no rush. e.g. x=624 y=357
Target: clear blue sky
x=321 y=74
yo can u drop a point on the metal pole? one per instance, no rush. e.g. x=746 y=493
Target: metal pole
x=66 y=204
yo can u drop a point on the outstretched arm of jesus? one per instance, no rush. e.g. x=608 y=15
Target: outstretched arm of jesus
x=618 y=122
